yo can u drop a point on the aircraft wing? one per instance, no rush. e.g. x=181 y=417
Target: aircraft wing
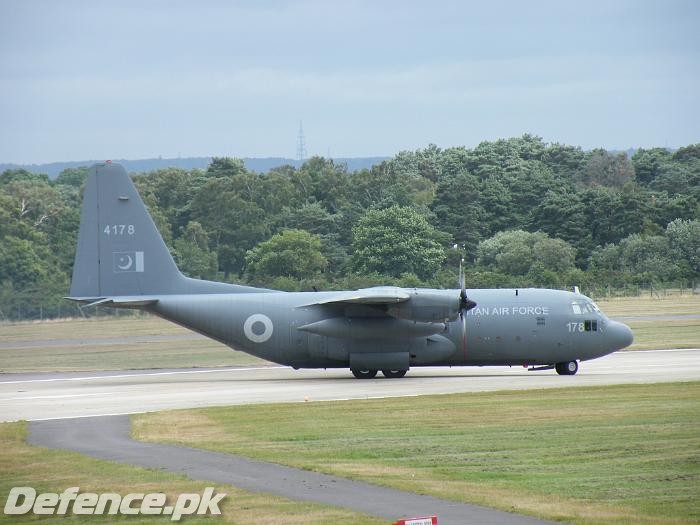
x=377 y=295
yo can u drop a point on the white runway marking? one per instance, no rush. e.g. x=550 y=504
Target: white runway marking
x=87 y=415
x=59 y=396
x=137 y=374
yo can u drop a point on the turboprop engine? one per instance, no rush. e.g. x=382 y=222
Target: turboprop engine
x=428 y=306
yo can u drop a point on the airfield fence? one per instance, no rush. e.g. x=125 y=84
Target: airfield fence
x=23 y=308
x=647 y=290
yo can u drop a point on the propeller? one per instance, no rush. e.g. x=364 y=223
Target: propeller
x=465 y=304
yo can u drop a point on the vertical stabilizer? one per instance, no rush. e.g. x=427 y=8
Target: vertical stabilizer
x=120 y=252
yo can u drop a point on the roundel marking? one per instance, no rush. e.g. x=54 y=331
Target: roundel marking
x=255 y=332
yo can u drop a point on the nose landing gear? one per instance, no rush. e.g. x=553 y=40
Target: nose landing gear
x=568 y=368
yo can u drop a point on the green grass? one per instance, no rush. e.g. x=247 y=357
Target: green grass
x=652 y=335
x=620 y=454
x=89 y=328
x=129 y=354
x=671 y=304
x=54 y=471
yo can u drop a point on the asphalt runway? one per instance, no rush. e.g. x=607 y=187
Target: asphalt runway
x=69 y=395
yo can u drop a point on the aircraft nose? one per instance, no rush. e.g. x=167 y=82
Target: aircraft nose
x=620 y=335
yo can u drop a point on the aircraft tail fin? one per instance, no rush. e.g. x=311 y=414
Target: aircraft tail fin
x=120 y=252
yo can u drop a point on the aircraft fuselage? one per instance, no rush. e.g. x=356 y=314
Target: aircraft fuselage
x=507 y=327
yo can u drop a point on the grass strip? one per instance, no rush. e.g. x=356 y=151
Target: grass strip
x=614 y=454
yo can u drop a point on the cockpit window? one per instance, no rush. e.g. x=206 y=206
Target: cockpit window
x=584 y=307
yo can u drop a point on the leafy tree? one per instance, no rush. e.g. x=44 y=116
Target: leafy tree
x=563 y=160
x=623 y=230
x=687 y=153
x=321 y=180
x=497 y=207
x=74 y=177
x=23 y=262
x=643 y=257
x=395 y=241
x=647 y=256
x=528 y=187
x=517 y=252
x=612 y=215
x=679 y=178
x=665 y=208
x=380 y=187
x=234 y=225
x=315 y=219
x=39 y=202
x=192 y=253
x=21 y=175
x=458 y=209
x=562 y=215
x=603 y=168
x=453 y=161
x=312 y=217
x=649 y=164
x=277 y=191
x=225 y=167
x=684 y=239
x=294 y=254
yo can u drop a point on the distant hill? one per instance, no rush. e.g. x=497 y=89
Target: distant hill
x=52 y=169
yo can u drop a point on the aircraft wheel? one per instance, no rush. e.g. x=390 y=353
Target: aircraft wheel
x=394 y=373
x=363 y=374
x=567 y=369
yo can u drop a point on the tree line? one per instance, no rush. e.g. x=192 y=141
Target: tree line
x=520 y=211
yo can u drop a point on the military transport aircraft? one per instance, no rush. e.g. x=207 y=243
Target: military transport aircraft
x=122 y=262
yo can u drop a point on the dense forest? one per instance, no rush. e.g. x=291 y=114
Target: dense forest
x=520 y=211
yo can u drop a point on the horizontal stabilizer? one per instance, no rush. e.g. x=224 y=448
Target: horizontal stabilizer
x=136 y=301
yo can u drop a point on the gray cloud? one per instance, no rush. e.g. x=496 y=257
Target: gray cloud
x=131 y=79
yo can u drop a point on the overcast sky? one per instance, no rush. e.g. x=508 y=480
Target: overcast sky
x=135 y=79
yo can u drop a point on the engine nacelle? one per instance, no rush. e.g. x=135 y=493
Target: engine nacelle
x=428 y=306
x=372 y=328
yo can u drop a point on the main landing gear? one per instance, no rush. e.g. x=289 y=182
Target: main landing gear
x=568 y=368
x=363 y=374
x=370 y=374
x=394 y=373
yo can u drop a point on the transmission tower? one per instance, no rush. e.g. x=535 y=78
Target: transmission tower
x=301 y=144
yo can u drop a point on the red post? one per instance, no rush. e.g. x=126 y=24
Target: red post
x=427 y=520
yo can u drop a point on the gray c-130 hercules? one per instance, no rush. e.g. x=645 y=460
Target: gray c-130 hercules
x=121 y=261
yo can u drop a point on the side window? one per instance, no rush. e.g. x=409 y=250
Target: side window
x=576 y=308
x=590 y=326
